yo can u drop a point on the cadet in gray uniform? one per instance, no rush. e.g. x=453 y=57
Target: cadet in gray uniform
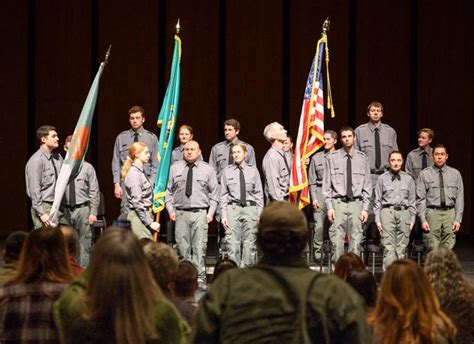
x=315 y=180
x=185 y=134
x=376 y=140
x=221 y=155
x=81 y=204
x=136 y=133
x=191 y=200
x=440 y=200
x=346 y=190
x=41 y=174
x=395 y=209
x=420 y=158
x=139 y=192
x=241 y=202
x=275 y=165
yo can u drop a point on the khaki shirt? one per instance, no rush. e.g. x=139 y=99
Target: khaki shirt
x=205 y=191
x=395 y=192
x=139 y=193
x=230 y=186
x=414 y=163
x=41 y=178
x=219 y=157
x=365 y=142
x=428 y=190
x=335 y=177
x=84 y=188
x=123 y=142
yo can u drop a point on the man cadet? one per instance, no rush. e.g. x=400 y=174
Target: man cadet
x=315 y=180
x=440 y=200
x=81 y=204
x=395 y=209
x=420 y=158
x=275 y=165
x=41 y=174
x=191 y=200
x=136 y=133
x=280 y=300
x=346 y=190
x=221 y=153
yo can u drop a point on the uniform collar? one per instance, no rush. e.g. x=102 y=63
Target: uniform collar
x=46 y=153
x=132 y=132
x=138 y=167
x=372 y=126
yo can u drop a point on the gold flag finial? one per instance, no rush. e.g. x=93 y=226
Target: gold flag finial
x=326 y=25
x=177 y=27
x=107 y=54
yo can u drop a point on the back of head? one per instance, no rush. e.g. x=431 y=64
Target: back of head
x=282 y=230
x=407 y=309
x=163 y=263
x=364 y=283
x=120 y=289
x=72 y=239
x=44 y=258
x=223 y=265
x=13 y=245
x=186 y=280
x=346 y=263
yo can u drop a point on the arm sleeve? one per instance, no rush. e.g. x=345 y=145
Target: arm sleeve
x=421 y=197
x=33 y=174
x=367 y=189
x=251 y=156
x=378 y=199
x=135 y=193
x=412 y=200
x=169 y=194
x=271 y=166
x=312 y=179
x=459 y=206
x=224 y=194
x=213 y=192
x=116 y=164
x=94 y=194
x=153 y=158
x=327 y=190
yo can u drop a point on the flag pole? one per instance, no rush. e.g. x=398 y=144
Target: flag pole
x=157 y=217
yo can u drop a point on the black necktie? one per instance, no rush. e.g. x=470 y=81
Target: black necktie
x=442 y=196
x=243 y=196
x=230 y=159
x=378 y=157
x=286 y=162
x=55 y=169
x=349 y=193
x=396 y=176
x=424 y=162
x=72 y=193
x=135 y=137
x=189 y=181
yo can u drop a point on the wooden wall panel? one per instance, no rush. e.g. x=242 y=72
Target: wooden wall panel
x=383 y=63
x=14 y=91
x=131 y=78
x=254 y=68
x=307 y=18
x=445 y=74
x=199 y=67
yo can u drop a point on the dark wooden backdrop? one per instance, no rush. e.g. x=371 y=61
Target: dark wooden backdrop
x=241 y=58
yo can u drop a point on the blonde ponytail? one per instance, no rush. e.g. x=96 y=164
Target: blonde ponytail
x=135 y=148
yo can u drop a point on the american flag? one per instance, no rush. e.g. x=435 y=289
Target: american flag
x=311 y=129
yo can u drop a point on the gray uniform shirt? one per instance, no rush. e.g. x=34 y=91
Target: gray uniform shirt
x=335 y=177
x=41 y=178
x=276 y=174
x=219 y=157
x=123 y=142
x=316 y=173
x=365 y=142
x=86 y=189
x=395 y=192
x=230 y=186
x=177 y=154
x=139 y=193
x=428 y=190
x=205 y=193
x=413 y=165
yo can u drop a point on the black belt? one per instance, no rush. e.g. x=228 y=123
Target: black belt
x=319 y=185
x=245 y=204
x=346 y=199
x=375 y=171
x=192 y=210
x=395 y=207
x=439 y=207
x=77 y=206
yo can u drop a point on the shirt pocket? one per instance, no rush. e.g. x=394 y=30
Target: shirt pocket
x=47 y=178
x=232 y=187
x=452 y=189
x=202 y=183
x=320 y=171
x=123 y=152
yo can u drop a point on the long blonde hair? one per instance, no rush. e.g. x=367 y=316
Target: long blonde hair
x=407 y=310
x=120 y=292
x=135 y=148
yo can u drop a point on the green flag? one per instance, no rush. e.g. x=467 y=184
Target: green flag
x=167 y=122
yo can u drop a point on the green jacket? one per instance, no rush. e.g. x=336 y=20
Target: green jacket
x=280 y=302
x=69 y=310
